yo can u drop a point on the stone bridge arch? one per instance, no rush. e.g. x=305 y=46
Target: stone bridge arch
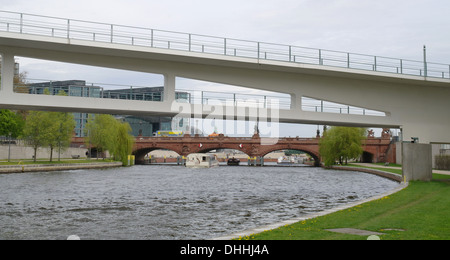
x=313 y=151
x=378 y=149
x=140 y=152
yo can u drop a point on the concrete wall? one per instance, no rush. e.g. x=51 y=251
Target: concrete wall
x=417 y=162
x=19 y=152
x=435 y=151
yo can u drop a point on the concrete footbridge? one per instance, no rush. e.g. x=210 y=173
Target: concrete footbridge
x=411 y=95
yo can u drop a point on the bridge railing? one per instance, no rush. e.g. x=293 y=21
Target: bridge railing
x=315 y=105
x=207 y=138
x=139 y=36
x=239 y=99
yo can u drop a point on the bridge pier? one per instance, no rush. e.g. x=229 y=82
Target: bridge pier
x=417 y=159
x=7 y=76
x=256 y=161
x=169 y=88
x=417 y=162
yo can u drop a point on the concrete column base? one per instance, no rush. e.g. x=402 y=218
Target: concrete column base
x=417 y=162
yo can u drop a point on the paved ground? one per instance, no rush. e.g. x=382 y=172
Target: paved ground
x=391 y=167
x=354 y=231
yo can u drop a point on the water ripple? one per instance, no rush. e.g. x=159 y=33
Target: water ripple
x=157 y=202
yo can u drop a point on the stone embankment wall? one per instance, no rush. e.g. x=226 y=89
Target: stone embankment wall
x=20 y=151
x=56 y=167
x=392 y=176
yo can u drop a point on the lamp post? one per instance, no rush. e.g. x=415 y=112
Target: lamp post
x=9 y=147
x=90 y=148
x=425 y=65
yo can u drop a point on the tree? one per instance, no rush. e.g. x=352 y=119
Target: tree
x=100 y=132
x=10 y=123
x=53 y=129
x=37 y=130
x=61 y=126
x=341 y=144
x=108 y=134
x=124 y=143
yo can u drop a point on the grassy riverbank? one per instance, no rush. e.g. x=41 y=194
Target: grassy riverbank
x=419 y=212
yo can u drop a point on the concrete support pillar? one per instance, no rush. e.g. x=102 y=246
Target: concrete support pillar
x=7 y=81
x=296 y=102
x=169 y=88
x=417 y=162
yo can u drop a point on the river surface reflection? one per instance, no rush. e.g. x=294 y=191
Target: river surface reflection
x=163 y=202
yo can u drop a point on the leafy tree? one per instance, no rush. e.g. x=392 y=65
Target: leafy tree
x=124 y=143
x=10 y=123
x=108 y=134
x=53 y=129
x=98 y=132
x=341 y=144
x=37 y=130
x=62 y=126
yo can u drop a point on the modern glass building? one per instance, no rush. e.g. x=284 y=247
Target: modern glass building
x=148 y=126
x=76 y=88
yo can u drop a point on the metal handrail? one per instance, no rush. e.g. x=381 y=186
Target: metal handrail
x=315 y=105
x=121 y=34
x=238 y=99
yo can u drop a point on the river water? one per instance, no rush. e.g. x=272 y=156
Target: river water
x=169 y=202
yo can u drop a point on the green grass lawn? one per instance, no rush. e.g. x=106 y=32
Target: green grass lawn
x=419 y=212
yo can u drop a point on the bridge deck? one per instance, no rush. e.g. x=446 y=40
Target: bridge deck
x=71 y=29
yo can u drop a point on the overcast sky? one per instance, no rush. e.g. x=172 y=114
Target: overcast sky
x=390 y=28
x=397 y=28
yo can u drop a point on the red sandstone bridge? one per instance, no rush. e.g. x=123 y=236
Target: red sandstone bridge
x=375 y=149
